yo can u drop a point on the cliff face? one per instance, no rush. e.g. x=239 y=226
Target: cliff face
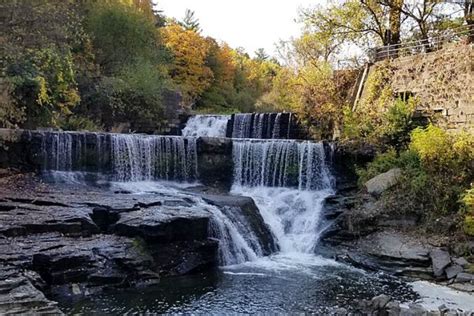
x=442 y=81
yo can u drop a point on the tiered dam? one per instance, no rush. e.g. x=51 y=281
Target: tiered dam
x=244 y=193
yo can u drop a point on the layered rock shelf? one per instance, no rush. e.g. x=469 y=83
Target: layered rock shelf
x=74 y=243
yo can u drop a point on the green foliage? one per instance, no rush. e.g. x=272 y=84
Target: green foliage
x=468 y=205
x=398 y=122
x=436 y=172
x=190 y=22
x=45 y=85
x=78 y=123
x=407 y=160
x=122 y=36
x=450 y=154
x=380 y=119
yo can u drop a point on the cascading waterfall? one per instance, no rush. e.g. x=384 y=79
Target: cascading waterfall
x=125 y=157
x=237 y=242
x=261 y=125
x=69 y=151
x=280 y=164
x=207 y=125
x=289 y=181
x=145 y=158
x=133 y=162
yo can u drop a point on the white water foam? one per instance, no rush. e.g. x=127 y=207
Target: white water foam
x=206 y=126
x=294 y=216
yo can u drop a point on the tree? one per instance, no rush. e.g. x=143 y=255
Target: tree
x=122 y=35
x=190 y=22
x=261 y=55
x=189 y=69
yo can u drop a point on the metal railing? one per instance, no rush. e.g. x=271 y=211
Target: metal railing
x=421 y=46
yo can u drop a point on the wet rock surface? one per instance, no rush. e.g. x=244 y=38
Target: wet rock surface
x=363 y=233
x=80 y=242
x=19 y=295
x=247 y=207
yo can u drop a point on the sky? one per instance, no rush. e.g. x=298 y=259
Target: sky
x=250 y=24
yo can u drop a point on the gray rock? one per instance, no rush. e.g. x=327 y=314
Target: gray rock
x=464 y=277
x=394 y=245
x=461 y=261
x=383 y=182
x=393 y=308
x=440 y=259
x=453 y=270
x=379 y=302
x=18 y=296
x=340 y=312
x=465 y=287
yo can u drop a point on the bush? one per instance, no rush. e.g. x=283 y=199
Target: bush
x=436 y=170
x=407 y=160
x=468 y=206
x=445 y=154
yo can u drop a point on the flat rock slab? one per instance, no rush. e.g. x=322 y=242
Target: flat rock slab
x=19 y=218
x=383 y=182
x=61 y=260
x=164 y=224
x=18 y=296
x=395 y=245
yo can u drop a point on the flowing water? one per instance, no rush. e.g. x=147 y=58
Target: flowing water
x=261 y=125
x=288 y=180
x=207 y=125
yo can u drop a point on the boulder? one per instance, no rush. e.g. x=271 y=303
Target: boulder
x=18 y=296
x=440 y=259
x=383 y=182
x=464 y=277
x=461 y=262
x=453 y=270
x=244 y=211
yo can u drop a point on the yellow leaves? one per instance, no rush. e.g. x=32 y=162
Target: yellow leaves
x=189 y=69
x=42 y=97
x=440 y=150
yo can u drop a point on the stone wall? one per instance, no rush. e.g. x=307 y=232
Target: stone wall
x=443 y=81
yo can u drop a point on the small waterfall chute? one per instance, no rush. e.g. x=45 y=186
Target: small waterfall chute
x=206 y=125
x=261 y=125
x=280 y=163
x=289 y=181
x=147 y=158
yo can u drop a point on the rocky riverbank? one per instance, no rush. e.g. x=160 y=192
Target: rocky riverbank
x=366 y=234
x=71 y=242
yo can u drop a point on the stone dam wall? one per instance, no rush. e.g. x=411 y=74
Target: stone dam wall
x=443 y=81
x=25 y=150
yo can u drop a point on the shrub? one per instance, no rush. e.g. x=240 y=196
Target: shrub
x=437 y=169
x=445 y=154
x=407 y=160
x=468 y=205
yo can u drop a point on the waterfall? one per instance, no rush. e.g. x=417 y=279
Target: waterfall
x=237 y=242
x=242 y=126
x=145 y=158
x=69 y=151
x=207 y=125
x=280 y=164
x=261 y=125
x=289 y=181
x=125 y=157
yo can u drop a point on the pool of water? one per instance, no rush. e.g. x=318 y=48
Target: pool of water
x=290 y=283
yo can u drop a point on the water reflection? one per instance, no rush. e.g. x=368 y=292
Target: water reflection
x=277 y=284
